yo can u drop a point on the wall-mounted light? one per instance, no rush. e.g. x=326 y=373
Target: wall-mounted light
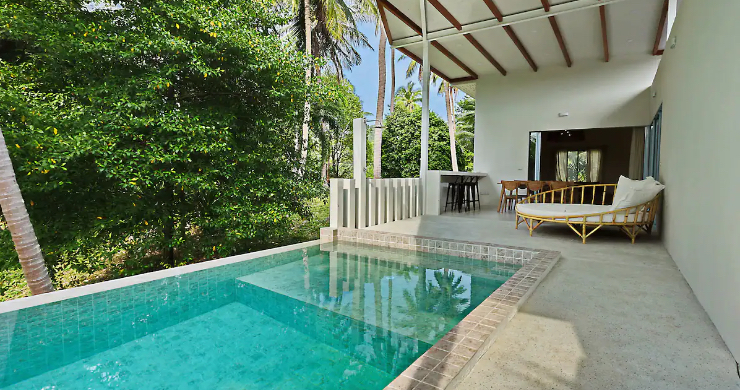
x=563 y=114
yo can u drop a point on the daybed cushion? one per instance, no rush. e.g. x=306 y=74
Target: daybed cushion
x=573 y=211
x=631 y=193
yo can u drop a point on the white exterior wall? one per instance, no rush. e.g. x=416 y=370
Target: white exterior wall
x=595 y=94
x=699 y=86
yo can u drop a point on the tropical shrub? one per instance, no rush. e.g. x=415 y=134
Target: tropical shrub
x=153 y=132
x=401 y=153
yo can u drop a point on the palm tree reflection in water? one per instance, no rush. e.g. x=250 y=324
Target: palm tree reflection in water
x=433 y=307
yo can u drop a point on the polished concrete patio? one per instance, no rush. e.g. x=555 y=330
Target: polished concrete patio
x=610 y=315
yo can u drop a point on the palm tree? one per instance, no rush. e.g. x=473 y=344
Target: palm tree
x=327 y=29
x=19 y=224
x=450 y=93
x=465 y=123
x=393 y=79
x=378 y=135
x=408 y=96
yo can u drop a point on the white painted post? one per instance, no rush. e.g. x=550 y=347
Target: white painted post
x=352 y=204
x=372 y=188
x=390 y=201
x=382 y=201
x=359 y=141
x=406 y=198
x=426 y=75
x=412 y=198
x=336 y=203
x=398 y=186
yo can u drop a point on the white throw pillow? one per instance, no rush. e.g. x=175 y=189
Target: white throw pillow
x=632 y=193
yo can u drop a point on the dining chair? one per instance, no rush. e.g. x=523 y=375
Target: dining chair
x=535 y=187
x=510 y=194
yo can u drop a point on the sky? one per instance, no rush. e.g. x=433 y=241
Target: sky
x=365 y=77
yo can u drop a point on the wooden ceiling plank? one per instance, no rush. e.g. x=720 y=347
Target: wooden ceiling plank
x=605 y=38
x=452 y=58
x=561 y=41
x=442 y=10
x=485 y=53
x=661 y=26
x=400 y=15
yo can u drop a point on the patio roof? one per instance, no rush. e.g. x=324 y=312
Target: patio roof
x=472 y=38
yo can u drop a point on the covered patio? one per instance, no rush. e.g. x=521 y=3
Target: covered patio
x=659 y=314
x=609 y=315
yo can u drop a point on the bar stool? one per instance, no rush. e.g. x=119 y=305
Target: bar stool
x=454 y=189
x=472 y=192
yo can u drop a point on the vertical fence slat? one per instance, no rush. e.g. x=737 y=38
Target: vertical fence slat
x=336 y=198
x=352 y=204
x=373 y=201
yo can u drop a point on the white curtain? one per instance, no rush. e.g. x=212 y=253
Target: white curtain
x=637 y=153
x=593 y=165
x=561 y=171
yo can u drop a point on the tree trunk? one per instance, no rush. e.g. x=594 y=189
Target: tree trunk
x=451 y=124
x=19 y=224
x=393 y=79
x=303 y=142
x=378 y=139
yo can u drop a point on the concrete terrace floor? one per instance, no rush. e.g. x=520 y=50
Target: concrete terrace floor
x=610 y=315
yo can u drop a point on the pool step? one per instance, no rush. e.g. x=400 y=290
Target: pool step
x=379 y=347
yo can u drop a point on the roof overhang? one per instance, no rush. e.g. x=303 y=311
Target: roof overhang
x=471 y=38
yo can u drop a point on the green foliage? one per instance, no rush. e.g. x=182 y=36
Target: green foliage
x=159 y=132
x=402 y=144
x=333 y=124
x=466 y=129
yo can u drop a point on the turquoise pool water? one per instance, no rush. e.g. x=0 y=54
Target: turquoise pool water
x=348 y=316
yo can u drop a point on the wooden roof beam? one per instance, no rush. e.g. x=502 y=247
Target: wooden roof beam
x=485 y=53
x=661 y=27
x=447 y=15
x=510 y=31
x=454 y=59
x=605 y=38
x=419 y=61
x=383 y=20
x=558 y=34
x=400 y=15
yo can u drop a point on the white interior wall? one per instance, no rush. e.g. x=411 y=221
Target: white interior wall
x=699 y=85
x=594 y=94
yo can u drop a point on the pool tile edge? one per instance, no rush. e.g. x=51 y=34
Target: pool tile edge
x=450 y=360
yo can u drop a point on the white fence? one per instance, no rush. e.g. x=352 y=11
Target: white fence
x=369 y=202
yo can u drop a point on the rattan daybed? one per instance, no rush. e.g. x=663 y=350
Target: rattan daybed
x=585 y=209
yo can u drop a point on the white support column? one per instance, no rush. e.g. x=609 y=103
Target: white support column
x=359 y=140
x=336 y=203
x=426 y=75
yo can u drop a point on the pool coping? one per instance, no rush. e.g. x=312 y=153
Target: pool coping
x=60 y=295
x=450 y=360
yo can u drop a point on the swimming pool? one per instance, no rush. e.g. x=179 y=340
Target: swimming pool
x=342 y=316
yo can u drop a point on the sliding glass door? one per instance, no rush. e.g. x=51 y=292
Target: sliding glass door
x=652 y=147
